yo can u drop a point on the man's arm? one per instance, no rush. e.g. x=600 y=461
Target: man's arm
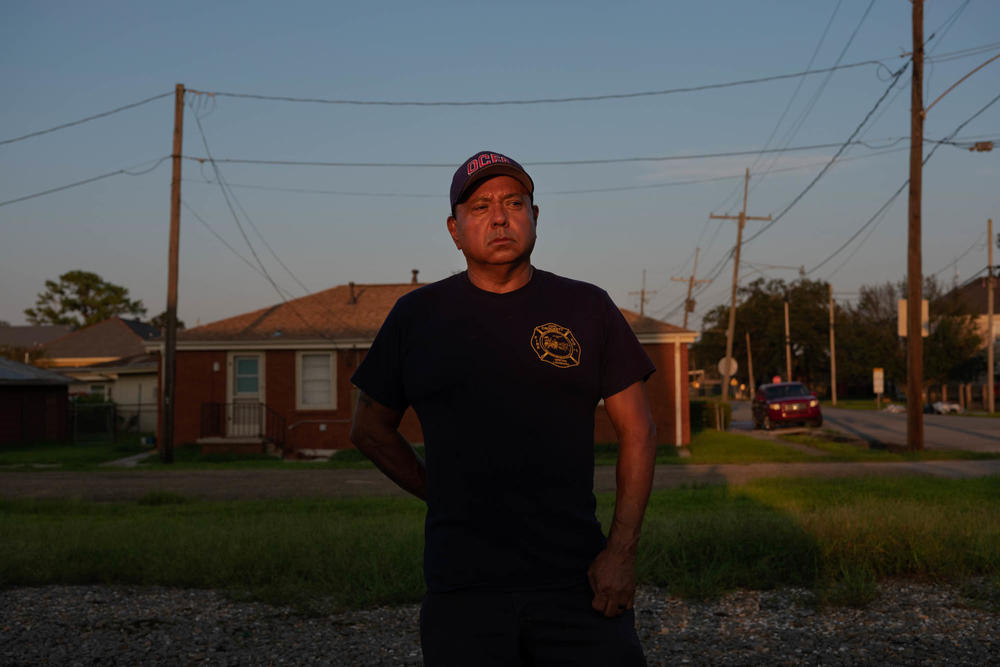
x=612 y=574
x=374 y=431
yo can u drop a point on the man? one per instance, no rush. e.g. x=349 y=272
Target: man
x=504 y=365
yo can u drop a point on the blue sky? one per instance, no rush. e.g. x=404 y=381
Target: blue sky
x=61 y=61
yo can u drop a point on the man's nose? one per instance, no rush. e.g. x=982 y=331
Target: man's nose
x=498 y=215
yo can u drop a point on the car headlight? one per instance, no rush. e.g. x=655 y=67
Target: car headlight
x=813 y=403
x=774 y=406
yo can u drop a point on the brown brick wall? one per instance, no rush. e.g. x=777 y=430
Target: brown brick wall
x=659 y=390
x=197 y=384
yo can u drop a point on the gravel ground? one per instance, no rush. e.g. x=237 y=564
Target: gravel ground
x=907 y=624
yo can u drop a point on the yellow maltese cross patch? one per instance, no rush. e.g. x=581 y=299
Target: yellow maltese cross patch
x=556 y=345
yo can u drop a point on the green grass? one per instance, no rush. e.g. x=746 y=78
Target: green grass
x=837 y=537
x=69 y=456
x=846 y=451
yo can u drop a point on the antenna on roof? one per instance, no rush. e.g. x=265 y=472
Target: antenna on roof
x=415 y=272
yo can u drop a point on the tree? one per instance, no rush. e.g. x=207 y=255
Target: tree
x=160 y=322
x=760 y=311
x=80 y=298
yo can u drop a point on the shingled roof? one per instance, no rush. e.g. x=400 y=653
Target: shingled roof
x=345 y=312
x=342 y=312
x=111 y=339
x=13 y=373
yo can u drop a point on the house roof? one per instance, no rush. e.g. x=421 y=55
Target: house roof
x=32 y=335
x=137 y=363
x=114 y=337
x=349 y=312
x=342 y=312
x=18 y=374
x=975 y=294
x=642 y=324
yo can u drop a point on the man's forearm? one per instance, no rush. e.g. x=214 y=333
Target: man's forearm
x=394 y=455
x=634 y=476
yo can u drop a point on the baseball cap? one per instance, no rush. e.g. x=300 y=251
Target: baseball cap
x=483 y=165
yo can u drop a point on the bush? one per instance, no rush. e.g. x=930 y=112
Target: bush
x=704 y=415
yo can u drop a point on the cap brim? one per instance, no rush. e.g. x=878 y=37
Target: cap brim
x=496 y=170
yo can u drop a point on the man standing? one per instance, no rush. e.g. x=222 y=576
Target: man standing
x=504 y=365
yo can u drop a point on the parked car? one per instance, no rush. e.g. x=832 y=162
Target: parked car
x=785 y=403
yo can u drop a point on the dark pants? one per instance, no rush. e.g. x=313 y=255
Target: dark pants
x=534 y=629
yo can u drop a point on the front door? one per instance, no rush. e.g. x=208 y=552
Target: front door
x=245 y=414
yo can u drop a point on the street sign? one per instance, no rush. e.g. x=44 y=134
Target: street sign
x=728 y=366
x=878 y=379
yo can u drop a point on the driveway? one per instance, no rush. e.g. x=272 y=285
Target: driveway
x=977 y=434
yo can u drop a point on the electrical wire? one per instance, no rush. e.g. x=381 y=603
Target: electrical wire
x=103 y=114
x=222 y=240
x=541 y=100
x=954 y=262
x=537 y=163
x=85 y=181
x=902 y=187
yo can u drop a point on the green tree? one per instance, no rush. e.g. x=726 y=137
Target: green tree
x=160 y=322
x=81 y=298
x=760 y=311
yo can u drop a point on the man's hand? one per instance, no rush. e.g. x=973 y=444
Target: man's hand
x=612 y=578
x=374 y=432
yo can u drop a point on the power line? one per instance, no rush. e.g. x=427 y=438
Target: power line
x=539 y=163
x=540 y=100
x=222 y=240
x=977 y=242
x=85 y=181
x=902 y=187
x=103 y=114
x=826 y=168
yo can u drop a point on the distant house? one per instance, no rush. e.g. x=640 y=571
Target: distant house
x=27 y=341
x=109 y=359
x=33 y=404
x=280 y=376
x=975 y=295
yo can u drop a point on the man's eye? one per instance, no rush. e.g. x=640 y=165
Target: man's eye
x=515 y=203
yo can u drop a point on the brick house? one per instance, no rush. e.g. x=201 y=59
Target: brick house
x=280 y=376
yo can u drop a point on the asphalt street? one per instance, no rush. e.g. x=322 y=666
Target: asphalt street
x=978 y=434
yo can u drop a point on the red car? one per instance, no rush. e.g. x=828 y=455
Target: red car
x=785 y=403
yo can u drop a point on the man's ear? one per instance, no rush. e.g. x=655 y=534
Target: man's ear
x=453 y=230
x=534 y=209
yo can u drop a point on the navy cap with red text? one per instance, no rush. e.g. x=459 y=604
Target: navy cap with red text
x=482 y=165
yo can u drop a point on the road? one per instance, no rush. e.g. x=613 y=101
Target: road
x=978 y=434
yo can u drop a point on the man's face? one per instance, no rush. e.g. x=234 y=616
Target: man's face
x=496 y=224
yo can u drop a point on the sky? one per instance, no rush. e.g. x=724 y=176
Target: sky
x=313 y=227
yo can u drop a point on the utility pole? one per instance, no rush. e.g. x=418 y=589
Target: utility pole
x=751 y=384
x=833 y=354
x=642 y=294
x=990 y=398
x=914 y=269
x=788 y=348
x=689 y=302
x=731 y=329
x=170 y=339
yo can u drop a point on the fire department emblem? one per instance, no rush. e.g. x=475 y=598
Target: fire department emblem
x=556 y=345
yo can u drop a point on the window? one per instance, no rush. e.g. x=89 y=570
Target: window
x=97 y=390
x=316 y=386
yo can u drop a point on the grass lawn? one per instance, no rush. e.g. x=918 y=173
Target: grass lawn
x=69 y=456
x=836 y=537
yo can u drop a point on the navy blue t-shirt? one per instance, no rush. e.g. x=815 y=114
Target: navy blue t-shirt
x=505 y=387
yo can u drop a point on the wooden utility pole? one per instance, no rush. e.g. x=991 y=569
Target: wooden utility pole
x=170 y=339
x=751 y=384
x=990 y=398
x=689 y=302
x=833 y=355
x=731 y=329
x=914 y=269
x=788 y=348
x=642 y=294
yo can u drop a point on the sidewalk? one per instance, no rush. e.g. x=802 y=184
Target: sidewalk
x=262 y=484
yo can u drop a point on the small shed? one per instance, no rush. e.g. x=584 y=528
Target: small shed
x=33 y=404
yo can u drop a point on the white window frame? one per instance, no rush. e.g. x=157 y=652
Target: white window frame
x=299 y=404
